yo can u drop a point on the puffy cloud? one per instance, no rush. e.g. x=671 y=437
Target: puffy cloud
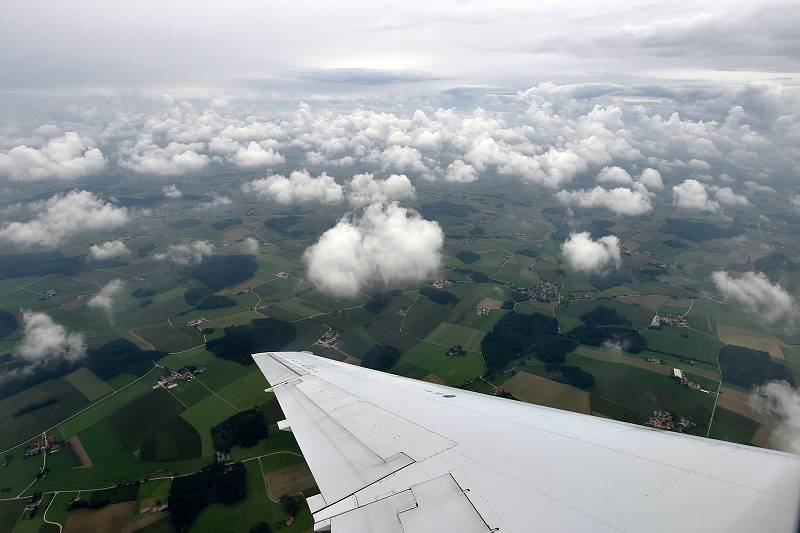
x=171 y=191
x=386 y=243
x=692 y=195
x=255 y=155
x=725 y=196
x=62 y=216
x=615 y=176
x=250 y=245
x=364 y=189
x=104 y=300
x=585 y=255
x=460 y=172
x=795 y=200
x=175 y=159
x=67 y=157
x=404 y=159
x=216 y=200
x=782 y=401
x=109 y=250
x=754 y=292
x=299 y=187
x=185 y=254
x=651 y=178
x=621 y=200
x=44 y=341
x=753 y=186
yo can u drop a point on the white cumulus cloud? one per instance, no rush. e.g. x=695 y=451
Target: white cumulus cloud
x=586 y=255
x=44 y=341
x=62 y=216
x=620 y=200
x=614 y=176
x=185 y=254
x=757 y=294
x=725 y=196
x=175 y=159
x=651 y=178
x=109 y=250
x=364 y=189
x=386 y=243
x=782 y=401
x=460 y=172
x=171 y=191
x=215 y=200
x=299 y=187
x=692 y=195
x=255 y=155
x=67 y=157
x=104 y=300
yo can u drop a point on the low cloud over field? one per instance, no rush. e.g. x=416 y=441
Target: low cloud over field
x=589 y=256
x=782 y=401
x=621 y=200
x=299 y=187
x=109 y=250
x=104 y=300
x=44 y=341
x=62 y=216
x=758 y=295
x=386 y=243
x=67 y=157
x=189 y=253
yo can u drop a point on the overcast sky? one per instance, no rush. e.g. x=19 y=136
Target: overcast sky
x=56 y=45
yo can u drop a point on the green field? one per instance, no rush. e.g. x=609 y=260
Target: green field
x=453 y=370
x=447 y=334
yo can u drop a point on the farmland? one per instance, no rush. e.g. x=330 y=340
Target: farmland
x=129 y=431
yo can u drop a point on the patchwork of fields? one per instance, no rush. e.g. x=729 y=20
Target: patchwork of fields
x=117 y=428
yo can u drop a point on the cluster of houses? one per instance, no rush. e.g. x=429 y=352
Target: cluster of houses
x=634 y=253
x=666 y=420
x=482 y=311
x=678 y=321
x=33 y=503
x=546 y=292
x=43 y=445
x=440 y=283
x=330 y=339
x=286 y=275
x=48 y=295
x=172 y=378
x=243 y=290
x=196 y=322
x=677 y=374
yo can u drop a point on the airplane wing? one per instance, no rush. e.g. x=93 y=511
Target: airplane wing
x=392 y=454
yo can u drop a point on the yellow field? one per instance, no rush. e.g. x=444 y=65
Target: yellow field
x=750 y=339
x=542 y=391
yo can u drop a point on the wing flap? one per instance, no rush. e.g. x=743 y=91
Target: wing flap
x=434 y=506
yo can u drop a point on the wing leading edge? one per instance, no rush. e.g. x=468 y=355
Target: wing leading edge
x=391 y=454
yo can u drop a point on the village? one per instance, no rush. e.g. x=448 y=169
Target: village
x=666 y=420
x=43 y=445
x=330 y=339
x=171 y=379
x=673 y=320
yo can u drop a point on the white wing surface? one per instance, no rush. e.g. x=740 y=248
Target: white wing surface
x=391 y=454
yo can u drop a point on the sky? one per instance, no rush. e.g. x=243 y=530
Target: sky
x=304 y=47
